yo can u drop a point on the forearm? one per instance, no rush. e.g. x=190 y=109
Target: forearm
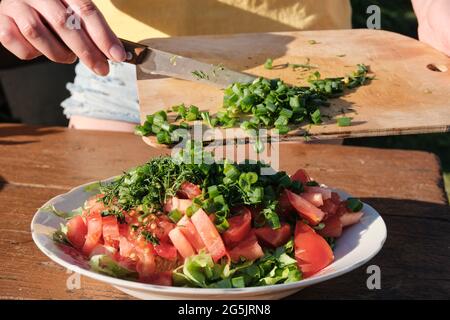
x=434 y=23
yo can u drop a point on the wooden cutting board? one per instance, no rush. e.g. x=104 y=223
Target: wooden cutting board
x=411 y=92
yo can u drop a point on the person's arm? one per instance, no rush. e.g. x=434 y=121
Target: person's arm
x=30 y=28
x=434 y=23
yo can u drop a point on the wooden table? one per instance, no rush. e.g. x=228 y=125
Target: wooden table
x=404 y=186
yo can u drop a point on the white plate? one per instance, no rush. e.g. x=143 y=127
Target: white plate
x=357 y=245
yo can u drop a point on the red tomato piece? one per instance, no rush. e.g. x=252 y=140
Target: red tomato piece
x=94 y=232
x=164 y=226
x=305 y=208
x=77 y=231
x=274 y=237
x=240 y=225
x=326 y=193
x=312 y=252
x=110 y=230
x=181 y=243
x=333 y=227
x=166 y=251
x=146 y=266
x=249 y=249
x=349 y=218
x=329 y=207
x=301 y=176
x=209 y=234
x=176 y=203
x=94 y=205
x=191 y=234
x=189 y=190
x=314 y=197
x=126 y=247
x=284 y=205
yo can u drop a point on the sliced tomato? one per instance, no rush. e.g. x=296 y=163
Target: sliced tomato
x=301 y=176
x=349 y=218
x=209 y=234
x=146 y=266
x=164 y=226
x=329 y=207
x=166 y=250
x=333 y=227
x=77 y=231
x=126 y=247
x=314 y=197
x=191 y=234
x=189 y=190
x=312 y=252
x=249 y=249
x=274 y=237
x=177 y=203
x=110 y=229
x=181 y=243
x=94 y=234
x=305 y=208
x=284 y=206
x=94 y=205
x=326 y=193
x=240 y=225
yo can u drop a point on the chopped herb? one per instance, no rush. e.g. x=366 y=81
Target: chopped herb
x=200 y=74
x=320 y=226
x=304 y=66
x=175 y=215
x=313 y=42
x=354 y=204
x=344 y=121
x=173 y=60
x=270 y=104
x=268 y=64
x=149 y=237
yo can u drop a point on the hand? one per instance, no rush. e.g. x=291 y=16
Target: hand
x=434 y=23
x=30 y=28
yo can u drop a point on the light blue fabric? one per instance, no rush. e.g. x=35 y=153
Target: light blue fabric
x=113 y=97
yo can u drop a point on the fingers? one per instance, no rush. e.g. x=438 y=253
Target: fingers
x=36 y=33
x=98 y=29
x=74 y=36
x=12 y=39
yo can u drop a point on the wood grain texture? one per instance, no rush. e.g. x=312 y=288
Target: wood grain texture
x=404 y=186
x=405 y=98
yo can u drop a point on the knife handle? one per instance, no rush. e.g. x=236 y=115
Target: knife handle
x=136 y=52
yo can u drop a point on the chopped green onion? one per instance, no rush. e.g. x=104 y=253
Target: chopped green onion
x=268 y=64
x=175 y=215
x=354 y=204
x=344 y=121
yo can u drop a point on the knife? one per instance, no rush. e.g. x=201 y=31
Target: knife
x=154 y=61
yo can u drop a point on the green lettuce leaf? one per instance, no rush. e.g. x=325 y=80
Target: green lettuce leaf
x=107 y=265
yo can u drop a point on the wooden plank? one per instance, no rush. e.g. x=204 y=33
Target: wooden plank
x=404 y=186
x=406 y=97
x=63 y=159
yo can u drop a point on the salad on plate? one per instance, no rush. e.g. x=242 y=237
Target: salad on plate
x=219 y=225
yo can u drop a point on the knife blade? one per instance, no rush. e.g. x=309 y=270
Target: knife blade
x=154 y=61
